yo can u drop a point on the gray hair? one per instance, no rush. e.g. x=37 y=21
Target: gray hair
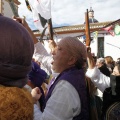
x=101 y=60
x=77 y=49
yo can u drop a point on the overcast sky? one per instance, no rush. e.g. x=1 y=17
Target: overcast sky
x=72 y=12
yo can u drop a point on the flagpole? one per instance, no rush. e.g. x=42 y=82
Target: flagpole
x=50 y=28
x=87 y=29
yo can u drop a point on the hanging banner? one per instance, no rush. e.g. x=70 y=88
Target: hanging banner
x=95 y=34
x=117 y=30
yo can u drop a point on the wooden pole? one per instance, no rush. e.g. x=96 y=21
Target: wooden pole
x=87 y=29
x=50 y=29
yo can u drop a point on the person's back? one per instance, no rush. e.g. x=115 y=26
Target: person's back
x=15 y=104
x=16 y=50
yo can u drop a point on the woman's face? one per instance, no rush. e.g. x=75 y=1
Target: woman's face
x=60 y=58
x=116 y=71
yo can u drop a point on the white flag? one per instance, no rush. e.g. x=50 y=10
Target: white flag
x=43 y=7
x=37 y=21
x=37 y=18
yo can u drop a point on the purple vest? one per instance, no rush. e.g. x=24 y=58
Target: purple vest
x=77 y=79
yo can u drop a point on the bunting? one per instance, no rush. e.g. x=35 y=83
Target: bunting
x=117 y=30
x=109 y=29
x=95 y=34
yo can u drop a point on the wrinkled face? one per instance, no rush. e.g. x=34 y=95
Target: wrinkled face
x=116 y=71
x=61 y=58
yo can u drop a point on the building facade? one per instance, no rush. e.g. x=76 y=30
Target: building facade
x=103 y=43
x=5 y=8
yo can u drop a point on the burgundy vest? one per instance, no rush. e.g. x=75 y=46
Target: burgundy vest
x=75 y=77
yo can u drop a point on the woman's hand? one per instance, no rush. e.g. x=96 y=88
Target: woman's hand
x=36 y=94
x=21 y=20
x=52 y=45
x=90 y=60
x=24 y=23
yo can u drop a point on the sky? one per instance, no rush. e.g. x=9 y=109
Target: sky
x=72 y=12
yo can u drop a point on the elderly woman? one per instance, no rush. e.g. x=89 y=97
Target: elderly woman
x=110 y=86
x=67 y=96
x=16 y=50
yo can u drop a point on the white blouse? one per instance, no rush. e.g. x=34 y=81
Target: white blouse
x=63 y=104
x=100 y=80
x=41 y=55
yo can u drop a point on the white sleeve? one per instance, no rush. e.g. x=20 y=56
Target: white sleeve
x=39 y=52
x=100 y=80
x=41 y=55
x=46 y=64
x=63 y=104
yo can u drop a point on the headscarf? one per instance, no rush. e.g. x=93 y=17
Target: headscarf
x=37 y=76
x=76 y=48
x=16 y=50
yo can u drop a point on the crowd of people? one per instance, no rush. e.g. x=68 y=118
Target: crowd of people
x=62 y=85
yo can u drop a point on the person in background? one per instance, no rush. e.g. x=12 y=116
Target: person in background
x=110 y=86
x=102 y=66
x=16 y=51
x=94 y=57
x=110 y=63
x=36 y=78
x=118 y=59
x=67 y=96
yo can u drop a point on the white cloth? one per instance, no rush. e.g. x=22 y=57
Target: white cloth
x=63 y=104
x=41 y=55
x=36 y=19
x=99 y=93
x=100 y=80
x=43 y=7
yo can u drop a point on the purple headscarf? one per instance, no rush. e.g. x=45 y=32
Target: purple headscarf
x=16 y=51
x=37 y=76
